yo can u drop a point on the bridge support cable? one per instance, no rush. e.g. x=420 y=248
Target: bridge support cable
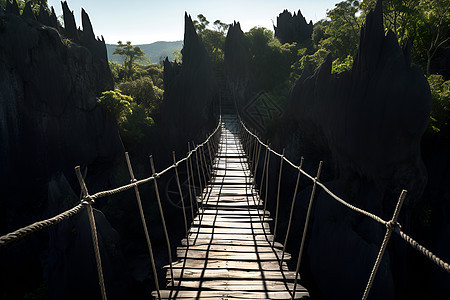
x=278 y=196
x=292 y=208
x=90 y=212
x=256 y=164
x=189 y=189
x=192 y=176
x=305 y=228
x=198 y=172
x=177 y=177
x=262 y=176
x=163 y=220
x=390 y=226
x=144 y=224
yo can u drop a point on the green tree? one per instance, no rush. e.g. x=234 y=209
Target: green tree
x=144 y=93
x=342 y=65
x=201 y=23
x=116 y=104
x=35 y=4
x=342 y=31
x=440 y=108
x=129 y=55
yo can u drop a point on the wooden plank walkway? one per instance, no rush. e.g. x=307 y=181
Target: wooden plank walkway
x=229 y=252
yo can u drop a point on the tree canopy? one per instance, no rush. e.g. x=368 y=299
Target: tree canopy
x=129 y=56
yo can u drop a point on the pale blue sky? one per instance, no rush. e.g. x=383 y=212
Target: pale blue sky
x=142 y=22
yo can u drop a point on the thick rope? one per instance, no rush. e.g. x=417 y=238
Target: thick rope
x=23 y=232
x=427 y=253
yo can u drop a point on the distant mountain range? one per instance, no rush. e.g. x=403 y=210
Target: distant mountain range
x=156 y=51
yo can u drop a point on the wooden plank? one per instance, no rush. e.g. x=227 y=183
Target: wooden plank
x=233 y=248
x=238 y=285
x=229 y=265
x=228 y=255
x=249 y=242
x=226 y=295
x=209 y=274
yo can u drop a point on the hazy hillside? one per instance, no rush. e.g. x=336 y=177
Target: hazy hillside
x=154 y=51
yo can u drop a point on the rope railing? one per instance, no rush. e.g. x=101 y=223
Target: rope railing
x=392 y=225
x=88 y=200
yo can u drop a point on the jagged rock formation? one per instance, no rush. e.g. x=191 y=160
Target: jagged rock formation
x=190 y=92
x=293 y=28
x=237 y=63
x=49 y=80
x=371 y=120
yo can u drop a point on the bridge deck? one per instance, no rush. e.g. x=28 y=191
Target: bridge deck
x=229 y=252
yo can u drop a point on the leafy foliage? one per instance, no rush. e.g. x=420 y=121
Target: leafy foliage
x=440 y=109
x=129 y=56
x=342 y=65
x=144 y=93
x=116 y=104
x=35 y=5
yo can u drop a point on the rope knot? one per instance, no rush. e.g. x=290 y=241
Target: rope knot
x=88 y=200
x=156 y=175
x=391 y=225
x=133 y=180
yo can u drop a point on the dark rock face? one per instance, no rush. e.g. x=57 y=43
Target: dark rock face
x=371 y=120
x=50 y=123
x=190 y=92
x=237 y=63
x=293 y=28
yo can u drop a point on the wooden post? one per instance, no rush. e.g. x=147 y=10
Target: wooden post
x=163 y=220
x=90 y=211
x=390 y=226
x=305 y=228
x=292 y=208
x=144 y=224
x=278 y=197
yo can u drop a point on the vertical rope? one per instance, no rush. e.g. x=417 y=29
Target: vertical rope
x=267 y=186
x=180 y=192
x=198 y=173
x=206 y=174
x=292 y=209
x=390 y=226
x=98 y=258
x=144 y=224
x=256 y=164
x=158 y=198
x=278 y=196
x=210 y=157
x=193 y=178
x=189 y=187
x=305 y=228
x=263 y=174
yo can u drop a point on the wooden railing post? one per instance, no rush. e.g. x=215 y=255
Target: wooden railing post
x=292 y=208
x=390 y=226
x=98 y=259
x=163 y=220
x=278 y=196
x=305 y=228
x=144 y=224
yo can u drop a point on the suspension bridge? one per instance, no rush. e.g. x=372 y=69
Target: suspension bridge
x=229 y=251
